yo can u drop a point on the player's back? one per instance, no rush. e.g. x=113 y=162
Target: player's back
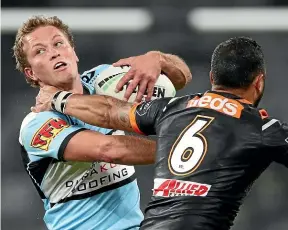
x=209 y=153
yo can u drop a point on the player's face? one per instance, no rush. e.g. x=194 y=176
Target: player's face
x=52 y=59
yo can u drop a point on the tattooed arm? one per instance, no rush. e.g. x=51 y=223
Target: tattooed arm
x=103 y=111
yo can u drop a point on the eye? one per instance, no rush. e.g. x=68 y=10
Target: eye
x=57 y=44
x=40 y=51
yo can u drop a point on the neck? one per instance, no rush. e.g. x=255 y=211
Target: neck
x=74 y=87
x=242 y=93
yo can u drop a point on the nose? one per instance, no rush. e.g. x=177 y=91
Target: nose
x=54 y=53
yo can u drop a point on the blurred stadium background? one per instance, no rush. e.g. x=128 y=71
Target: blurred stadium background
x=108 y=30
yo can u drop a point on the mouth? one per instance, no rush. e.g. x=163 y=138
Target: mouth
x=60 y=65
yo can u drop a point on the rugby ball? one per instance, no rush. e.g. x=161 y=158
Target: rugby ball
x=106 y=81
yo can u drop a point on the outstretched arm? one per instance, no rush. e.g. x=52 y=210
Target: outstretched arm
x=72 y=142
x=90 y=146
x=103 y=111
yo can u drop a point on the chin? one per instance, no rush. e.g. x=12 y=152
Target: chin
x=66 y=81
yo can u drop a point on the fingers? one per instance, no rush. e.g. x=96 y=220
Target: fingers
x=132 y=86
x=124 y=61
x=144 y=71
x=150 y=89
x=141 y=90
x=126 y=78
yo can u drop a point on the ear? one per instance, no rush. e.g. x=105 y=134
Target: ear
x=259 y=82
x=211 y=77
x=29 y=73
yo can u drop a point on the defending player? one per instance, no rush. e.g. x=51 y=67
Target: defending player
x=211 y=147
x=71 y=163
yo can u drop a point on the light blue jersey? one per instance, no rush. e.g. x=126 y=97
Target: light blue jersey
x=77 y=195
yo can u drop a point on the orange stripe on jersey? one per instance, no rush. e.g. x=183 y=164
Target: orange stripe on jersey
x=219 y=103
x=263 y=113
x=132 y=117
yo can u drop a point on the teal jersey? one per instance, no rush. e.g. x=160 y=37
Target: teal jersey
x=77 y=195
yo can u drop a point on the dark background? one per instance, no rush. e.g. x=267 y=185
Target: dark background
x=266 y=205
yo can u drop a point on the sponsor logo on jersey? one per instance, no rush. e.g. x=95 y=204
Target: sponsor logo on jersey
x=77 y=180
x=219 y=103
x=89 y=76
x=171 y=187
x=43 y=137
x=100 y=175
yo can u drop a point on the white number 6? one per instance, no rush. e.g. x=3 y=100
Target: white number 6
x=190 y=147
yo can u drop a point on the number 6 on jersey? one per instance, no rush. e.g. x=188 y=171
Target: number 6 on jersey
x=190 y=147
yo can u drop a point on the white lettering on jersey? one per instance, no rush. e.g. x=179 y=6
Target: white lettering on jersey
x=219 y=103
x=66 y=179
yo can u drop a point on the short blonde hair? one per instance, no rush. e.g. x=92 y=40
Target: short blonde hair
x=28 y=27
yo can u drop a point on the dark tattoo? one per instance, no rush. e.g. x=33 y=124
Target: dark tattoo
x=120 y=112
x=124 y=118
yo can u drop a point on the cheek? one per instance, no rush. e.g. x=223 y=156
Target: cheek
x=70 y=53
x=74 y=61
x=41 y=70
x=40 y=66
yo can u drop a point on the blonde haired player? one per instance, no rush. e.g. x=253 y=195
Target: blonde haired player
x=73 y=165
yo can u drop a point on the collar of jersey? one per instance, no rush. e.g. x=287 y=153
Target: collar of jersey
x=231 y=96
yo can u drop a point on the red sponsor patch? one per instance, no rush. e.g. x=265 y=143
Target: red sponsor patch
x=43 y=137
x=170 y=187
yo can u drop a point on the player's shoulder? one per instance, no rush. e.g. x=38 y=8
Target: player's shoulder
x=89 y=76
x=258 y=116
x=34 y=121
x=184 y=98
x=272 y=124
x=274 y=131
x=38 y=117
x=181 y=101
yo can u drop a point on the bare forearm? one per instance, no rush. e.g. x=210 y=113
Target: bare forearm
x=90 y=146
x=103 y=111
x=176 y=69
x=131 y=150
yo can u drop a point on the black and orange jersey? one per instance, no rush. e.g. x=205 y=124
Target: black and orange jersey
x=211 y=147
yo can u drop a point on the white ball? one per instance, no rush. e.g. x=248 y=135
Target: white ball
x=107 y=80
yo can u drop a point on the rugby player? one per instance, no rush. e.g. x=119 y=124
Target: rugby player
x=74 y=165
x=211 y=146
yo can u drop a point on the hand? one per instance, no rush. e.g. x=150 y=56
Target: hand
x=44 y=98
x=145 y=70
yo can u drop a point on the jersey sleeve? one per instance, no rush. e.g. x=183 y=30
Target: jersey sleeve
x=47 y=134
x=145 y=116
x=275 y=137
x=88 y=77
